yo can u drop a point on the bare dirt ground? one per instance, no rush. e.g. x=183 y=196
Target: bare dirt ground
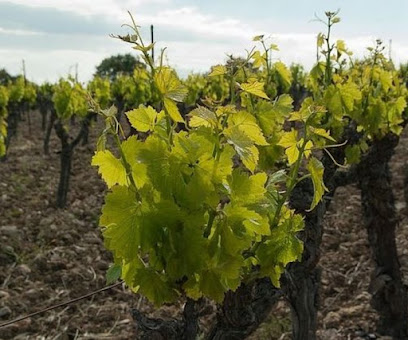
x=48 y=256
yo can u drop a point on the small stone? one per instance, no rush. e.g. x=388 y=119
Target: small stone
x=47 y=221
x=352 y=311
x=102 y=265
x=400 y=206
x=360 y=333
x=332 y=320
x=32 y=294
x=23 y=269
x=4 y=311
x=4 y=295
x=9 y=230
x=40 y=262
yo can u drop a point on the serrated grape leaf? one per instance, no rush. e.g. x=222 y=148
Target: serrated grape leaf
x=258 y=59
x=256 y=88
x=288 y=138
x=187 y=253
x=244 y=147
x=246 y=123
x=173 y=110
x=169 y=85
x=143 y=118
x=272 y=115
x=240 y=217
x=308 y=148
x=247 y=190
x=131 y=148
x=281 y=247
x=201 y=116
x=349 y=94
x=316 y=170
x=284 y=104
x=290 y=143
x=218 y=70
x=155 y=286
x=121 y=223
x=200 y=173
x=155 y=155
x=225 y=110
x=111 y=169
x=322 y=133
x=128 y=273
x=224 y=165
x=284 y=73
x=229 y=241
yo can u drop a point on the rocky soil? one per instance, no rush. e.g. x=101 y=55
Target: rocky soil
x=48 y=256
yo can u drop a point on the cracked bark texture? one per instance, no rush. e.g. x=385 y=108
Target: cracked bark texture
x=389 y=294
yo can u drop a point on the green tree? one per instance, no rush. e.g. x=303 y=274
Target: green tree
x=118 y=64
x=5 y=77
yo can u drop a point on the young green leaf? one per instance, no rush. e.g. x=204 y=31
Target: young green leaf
x=256 y=88
x=110 y=168
x=142 y=119
x=173 y=110
x=218 y=70
x=316 y=170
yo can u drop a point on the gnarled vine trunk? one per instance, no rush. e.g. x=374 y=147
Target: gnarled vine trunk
x=63 y=186
x=244 y=310
x=185 y=328
x=389 y=294
x=85 y=137
x=67 y=149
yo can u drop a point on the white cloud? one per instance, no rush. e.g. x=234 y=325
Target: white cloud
x=190 y=19
x=19 y=32
x=51 y=65
x=83 y=7
x=209 y=39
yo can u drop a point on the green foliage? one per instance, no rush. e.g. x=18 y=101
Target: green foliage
x=100 y=91
x=44 y=94
x=5 y=77
x=30 y=93
x=212 y=88
x=199 y=211
x=129 y=91
x=16 y=90
x=69 y=99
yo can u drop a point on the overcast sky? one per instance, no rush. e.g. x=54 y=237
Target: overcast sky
x=53 y=35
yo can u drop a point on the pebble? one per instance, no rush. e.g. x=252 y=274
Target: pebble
x=23 y=269
x=9 y=230
x=5 y=311
x=4 y=294
x=332 y=320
